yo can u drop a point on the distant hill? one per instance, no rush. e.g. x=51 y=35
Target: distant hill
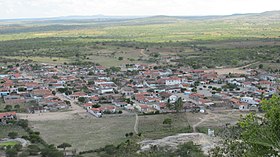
x=270 y=15
x=253 y=25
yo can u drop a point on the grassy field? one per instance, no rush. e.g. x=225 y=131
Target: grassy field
x=152 y=126
x=85 y=134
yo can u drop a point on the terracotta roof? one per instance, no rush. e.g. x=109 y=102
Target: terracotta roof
x=143 y=106
x=88 y=104
x=2 y=115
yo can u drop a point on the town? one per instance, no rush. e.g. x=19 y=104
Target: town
x=168 y=84
x=140 y=88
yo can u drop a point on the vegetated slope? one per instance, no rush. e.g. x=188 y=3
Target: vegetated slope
x=151 y=29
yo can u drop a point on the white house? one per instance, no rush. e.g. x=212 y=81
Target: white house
x=106 y=90
x=173 y=98
x=249 y=100
x=173 y=81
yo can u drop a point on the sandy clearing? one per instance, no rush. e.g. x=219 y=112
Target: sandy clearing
x=172 y=142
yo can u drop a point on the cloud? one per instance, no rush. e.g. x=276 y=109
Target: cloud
x=51 y=8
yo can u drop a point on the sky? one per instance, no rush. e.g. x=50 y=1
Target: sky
x=10 y=9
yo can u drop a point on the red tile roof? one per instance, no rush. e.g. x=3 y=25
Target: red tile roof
x=2 y=115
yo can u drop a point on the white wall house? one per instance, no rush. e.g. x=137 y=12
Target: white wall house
x=106 y=90
x=173 y=81
x=249 y=100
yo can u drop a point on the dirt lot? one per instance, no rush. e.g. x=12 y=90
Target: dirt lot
x=228 y=70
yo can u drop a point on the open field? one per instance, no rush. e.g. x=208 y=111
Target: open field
x=151 y=126
x=85 y=134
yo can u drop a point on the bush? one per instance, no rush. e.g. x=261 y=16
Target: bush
x=13 y=135
x=33 y=149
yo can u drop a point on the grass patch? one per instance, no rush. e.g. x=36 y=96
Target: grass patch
x=11 y=143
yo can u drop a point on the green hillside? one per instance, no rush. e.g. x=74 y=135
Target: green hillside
x=209 y=41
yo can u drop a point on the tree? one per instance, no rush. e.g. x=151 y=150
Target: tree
x=167 y=121
x=260 y=66
x=259 y=136
x=33 y=149
x=23 y=123
x=64 y=146
x=17 y=107
x=51 y=151
x=189 y=149
x=120 y=58
x=179 y=105
x=90 y=73
x=18 y=147
x=8 y=107
x=10 y=152
x=96 y=106
x=13 y=135
x=82 y=99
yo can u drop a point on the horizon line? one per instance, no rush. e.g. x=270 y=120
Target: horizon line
x=131 y=16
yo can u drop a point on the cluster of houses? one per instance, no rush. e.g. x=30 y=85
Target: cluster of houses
x=138 y=87
x=26 y=94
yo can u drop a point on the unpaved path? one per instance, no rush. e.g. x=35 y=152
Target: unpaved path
x=209 y=116
x=142 y=52
x=136 y=123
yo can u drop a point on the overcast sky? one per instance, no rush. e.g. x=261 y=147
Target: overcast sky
x=54 y=8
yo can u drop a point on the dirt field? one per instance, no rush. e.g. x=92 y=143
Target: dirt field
x=228 y=70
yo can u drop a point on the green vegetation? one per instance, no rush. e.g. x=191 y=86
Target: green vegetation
x=203 y=42
x=255 y=136
x=6 y=129
x=131 y=148
x=11 y=143
x=161 y=125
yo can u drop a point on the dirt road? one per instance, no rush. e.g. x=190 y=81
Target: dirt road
x=142 y=52
x=136 y=123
